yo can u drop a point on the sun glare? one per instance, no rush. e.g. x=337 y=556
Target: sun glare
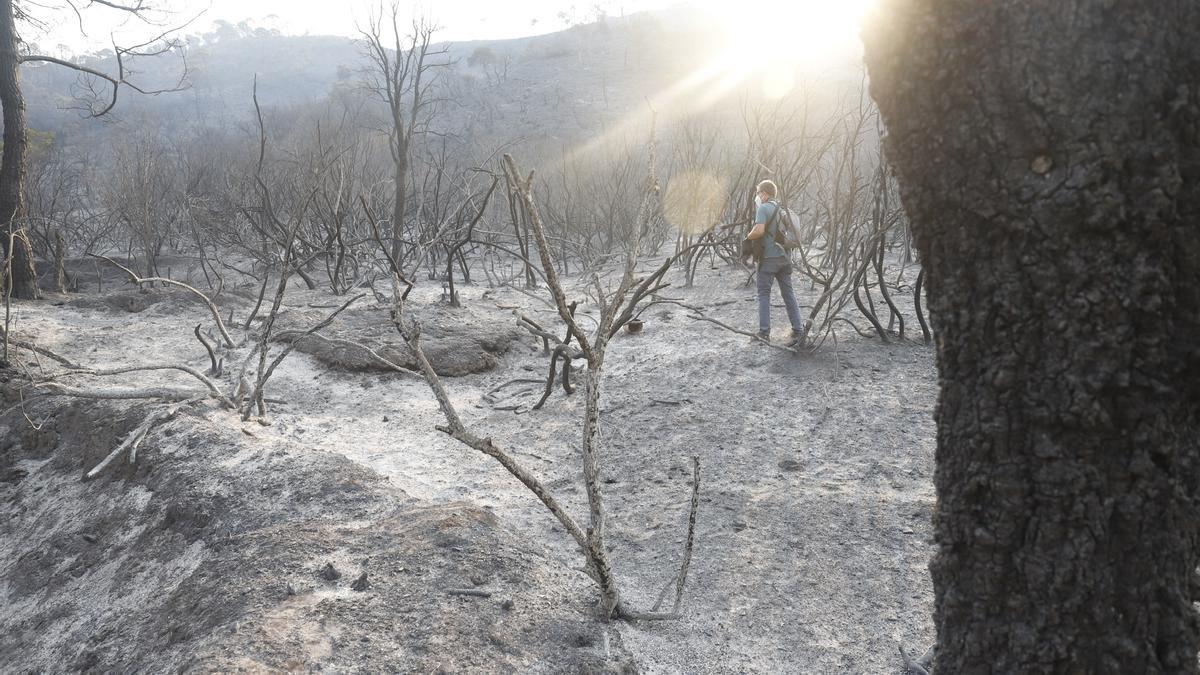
x=770 y=39
x=768 y=45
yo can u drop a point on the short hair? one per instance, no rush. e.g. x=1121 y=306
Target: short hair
x=768 y=187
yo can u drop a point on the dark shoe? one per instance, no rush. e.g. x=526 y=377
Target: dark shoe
x=796 y=338
x=764 y=335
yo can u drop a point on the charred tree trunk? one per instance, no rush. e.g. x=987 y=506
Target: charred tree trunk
x=398 y=202
x=1049 y=159
x=12 y=163
x=60 y=262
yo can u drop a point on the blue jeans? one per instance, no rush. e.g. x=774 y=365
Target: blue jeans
x=777 y=269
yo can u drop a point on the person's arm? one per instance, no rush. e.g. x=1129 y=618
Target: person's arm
x=760 y=222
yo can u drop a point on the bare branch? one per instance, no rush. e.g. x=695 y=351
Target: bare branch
x=523 y=188
x=455 y=429
x=123 y=393
x=135 y=438
x=37 y=349
x=212 y=308
x=208 y=348
x=262 y=380
x=105 y=372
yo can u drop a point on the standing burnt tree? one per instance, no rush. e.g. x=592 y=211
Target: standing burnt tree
x=402 y=74
x=18 y=275
x=18 y=255
x=1049 y=158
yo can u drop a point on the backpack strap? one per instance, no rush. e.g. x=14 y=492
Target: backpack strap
x=776 y=237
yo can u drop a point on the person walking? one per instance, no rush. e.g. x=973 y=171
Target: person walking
x=773 y=265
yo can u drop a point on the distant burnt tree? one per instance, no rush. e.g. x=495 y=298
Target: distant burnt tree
x=97 y=101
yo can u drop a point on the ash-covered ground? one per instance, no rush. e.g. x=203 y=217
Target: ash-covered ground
x=210 y=553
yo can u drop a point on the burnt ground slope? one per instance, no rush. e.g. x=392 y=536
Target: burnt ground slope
x=210 y=554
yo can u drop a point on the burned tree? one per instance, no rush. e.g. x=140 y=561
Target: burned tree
x=18 y=275
x=1047 y=155
x=18 y=254
x=402 y=73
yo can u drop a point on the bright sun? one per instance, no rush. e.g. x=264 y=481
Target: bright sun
x=771 y=38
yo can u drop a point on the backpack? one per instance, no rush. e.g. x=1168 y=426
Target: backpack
x=754 y=248
x=787 y=234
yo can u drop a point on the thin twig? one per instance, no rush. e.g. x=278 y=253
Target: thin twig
x=702 y=317
x=680 y=578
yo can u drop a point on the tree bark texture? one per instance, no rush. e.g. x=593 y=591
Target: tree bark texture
x=12 y=161
x=610 y=597
x=1048 y=155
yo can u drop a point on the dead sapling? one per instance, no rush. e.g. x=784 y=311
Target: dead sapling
x=290 y=263
x=591 y=542
x=591 y=349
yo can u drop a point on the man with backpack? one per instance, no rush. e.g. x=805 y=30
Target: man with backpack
x=774 y=264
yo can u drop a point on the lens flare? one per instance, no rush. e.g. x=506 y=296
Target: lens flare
x=693 y=201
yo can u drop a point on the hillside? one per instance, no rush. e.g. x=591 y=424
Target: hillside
x=565 y=87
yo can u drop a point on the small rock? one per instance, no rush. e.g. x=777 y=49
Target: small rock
x=789 y=465
x=361 y=583
x=89 y=538
x=738 y=526
x=329 y=573
x=385 y=418
x=507 y=604
x=291 y=590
